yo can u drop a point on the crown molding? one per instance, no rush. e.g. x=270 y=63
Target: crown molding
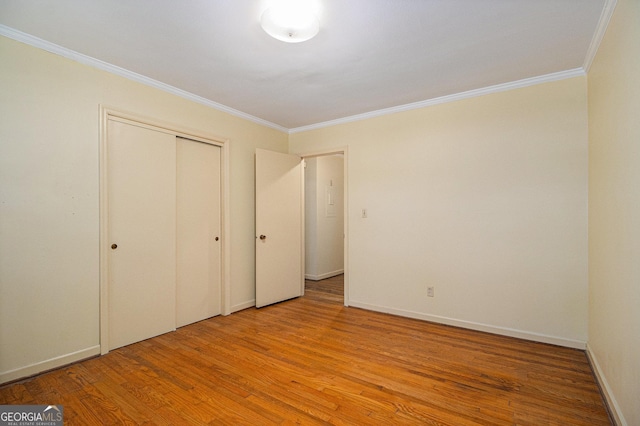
x=96 y=63
x=113 y=69
x=577 y=72
x=598 y=35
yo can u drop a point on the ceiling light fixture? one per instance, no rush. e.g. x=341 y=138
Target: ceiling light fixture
x=291 y=21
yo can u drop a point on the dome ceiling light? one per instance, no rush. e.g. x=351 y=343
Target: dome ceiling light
x=291 y=21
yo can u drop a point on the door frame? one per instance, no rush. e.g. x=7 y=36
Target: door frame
x=109 y=113
x=344 y=150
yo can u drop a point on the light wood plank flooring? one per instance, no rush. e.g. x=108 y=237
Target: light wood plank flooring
x=333 y=285
x=313 y=361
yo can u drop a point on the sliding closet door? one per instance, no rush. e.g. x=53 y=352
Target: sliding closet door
x=142 y=233
x=198 y=231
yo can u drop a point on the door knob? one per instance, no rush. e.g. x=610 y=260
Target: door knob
x=263 y=237
x=217 y=238
x=114 y=246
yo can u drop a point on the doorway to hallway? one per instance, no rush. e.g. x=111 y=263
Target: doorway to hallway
x=325 y=223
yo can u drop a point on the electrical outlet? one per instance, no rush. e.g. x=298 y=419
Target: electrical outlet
x=430 y=292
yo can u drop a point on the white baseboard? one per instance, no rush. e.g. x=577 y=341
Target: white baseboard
x=612 y=404
x=50 y=364
x=503 y=331
x=323 y=276
x=244 y=305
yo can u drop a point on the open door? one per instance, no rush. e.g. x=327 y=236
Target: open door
x=279 y=227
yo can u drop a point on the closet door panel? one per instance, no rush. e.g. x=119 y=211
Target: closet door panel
x=198 y=231
x=142 y=233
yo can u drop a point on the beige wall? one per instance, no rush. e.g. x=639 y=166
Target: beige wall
x=614 y=211
x=49 y=199
x=485 y=199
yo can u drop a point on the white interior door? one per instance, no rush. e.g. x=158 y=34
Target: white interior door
x=198 y=231
x=279 y=227
x=142 y=233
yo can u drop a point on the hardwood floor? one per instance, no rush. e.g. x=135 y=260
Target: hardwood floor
x=313 y=361
x=333 y=285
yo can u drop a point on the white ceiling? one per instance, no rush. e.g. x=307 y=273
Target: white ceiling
x=370 y=55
